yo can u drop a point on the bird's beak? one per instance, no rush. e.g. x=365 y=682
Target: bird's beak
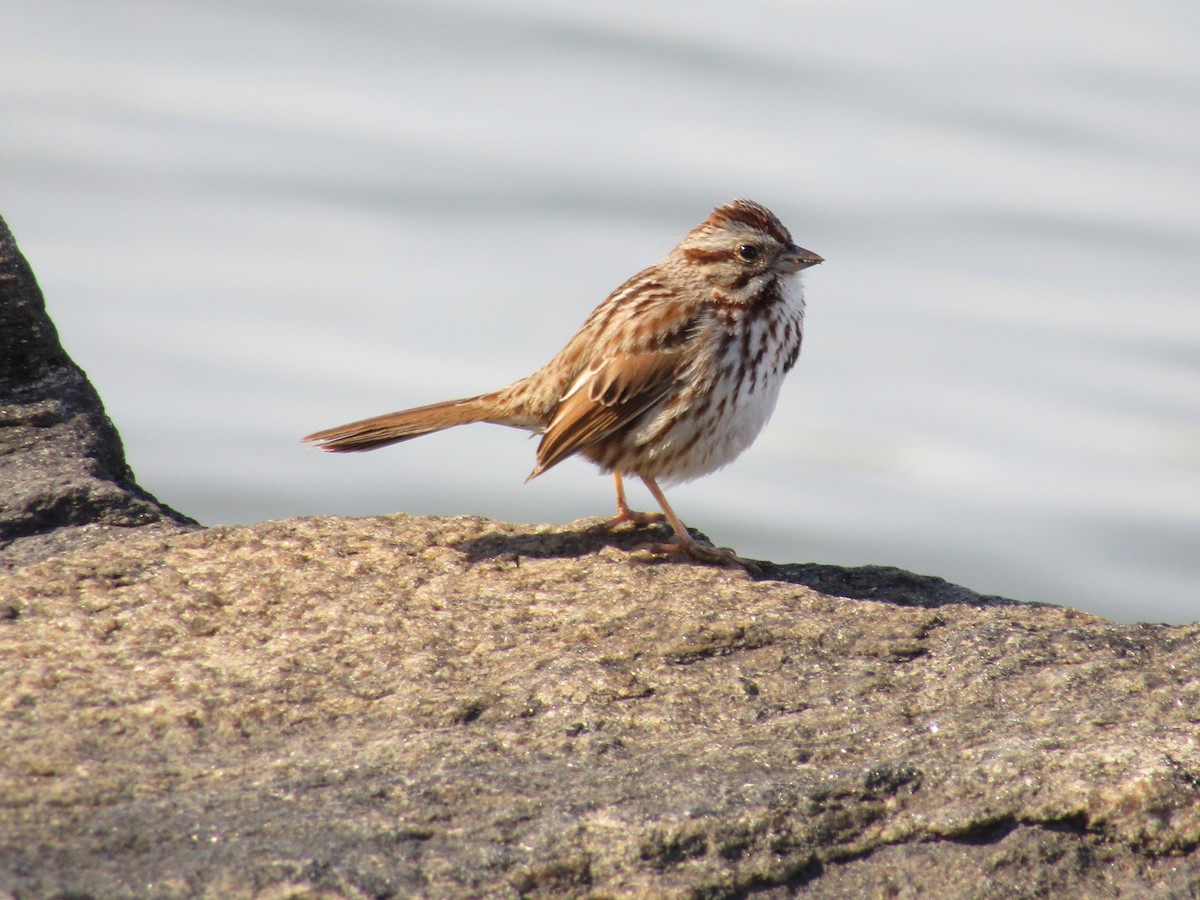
x=794 y=258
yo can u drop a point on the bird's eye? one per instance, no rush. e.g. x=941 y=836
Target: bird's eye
x=747 y=253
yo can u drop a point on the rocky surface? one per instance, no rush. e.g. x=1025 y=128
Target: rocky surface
x=64 y=481
x=402 y=706
x=405 y=706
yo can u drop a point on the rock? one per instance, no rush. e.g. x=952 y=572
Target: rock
x=64 y=481
x=403 y=706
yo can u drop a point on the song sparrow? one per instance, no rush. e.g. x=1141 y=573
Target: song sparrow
x=670 y=378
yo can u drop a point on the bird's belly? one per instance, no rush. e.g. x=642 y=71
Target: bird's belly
x=722 y=425
x=721 y=405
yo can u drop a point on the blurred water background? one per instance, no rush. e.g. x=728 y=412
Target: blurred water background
x=254 y=219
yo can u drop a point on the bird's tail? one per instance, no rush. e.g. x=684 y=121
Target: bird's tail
x=391 y=428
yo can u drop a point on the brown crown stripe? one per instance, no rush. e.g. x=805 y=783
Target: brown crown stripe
x=750 y=213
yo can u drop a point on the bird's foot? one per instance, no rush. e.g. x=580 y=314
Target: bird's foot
x=629 y=516
x=706 y=553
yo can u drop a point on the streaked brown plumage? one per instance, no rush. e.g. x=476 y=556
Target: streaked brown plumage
x=670 y=378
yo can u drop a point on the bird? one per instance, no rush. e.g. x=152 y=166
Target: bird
x=670 y=378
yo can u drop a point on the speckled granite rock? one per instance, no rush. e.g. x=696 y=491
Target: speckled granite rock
x=408 y=706
x=404 y=706
x=64 y=481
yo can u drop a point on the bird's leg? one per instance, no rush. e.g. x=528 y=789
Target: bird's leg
x=625 y=514
x=685 y=543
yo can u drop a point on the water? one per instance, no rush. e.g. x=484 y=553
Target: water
x=252 y=220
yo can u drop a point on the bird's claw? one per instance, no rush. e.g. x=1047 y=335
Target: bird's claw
x=706 y=553
x=632 y=517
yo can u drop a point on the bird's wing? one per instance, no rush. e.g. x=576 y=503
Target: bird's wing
x=608 y=394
